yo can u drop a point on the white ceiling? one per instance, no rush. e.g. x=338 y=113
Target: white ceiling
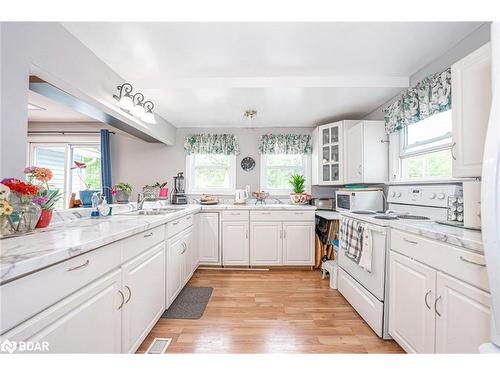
x=293 y=74
x=53 y=111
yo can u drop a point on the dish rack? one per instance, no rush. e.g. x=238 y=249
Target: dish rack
x=151 y=192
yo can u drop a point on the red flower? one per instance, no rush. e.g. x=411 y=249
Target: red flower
x=20 y=187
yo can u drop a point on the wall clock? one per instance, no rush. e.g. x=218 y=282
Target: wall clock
x=247 y=164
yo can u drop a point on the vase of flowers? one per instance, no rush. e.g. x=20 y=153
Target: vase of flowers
x=299 y=196
x=85 y=195
x=46 y=197
x=5 y=211
x=25 y=213
x=122 y=191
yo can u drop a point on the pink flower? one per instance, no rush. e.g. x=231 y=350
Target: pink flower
x=41 y=199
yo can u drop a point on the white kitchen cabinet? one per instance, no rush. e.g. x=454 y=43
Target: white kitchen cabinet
x=266 y=244
x=411 y=313
x=87 y=321
x=174 y=268
x=235 y=243
x=298 y=243
x=208 y=238
x=144 y=293
x=471 y=98
x=187 y=259
x=462 y=316
x=366 y=153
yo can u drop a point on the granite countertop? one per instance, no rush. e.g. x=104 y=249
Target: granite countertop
x=466 y=238
x=72 y=235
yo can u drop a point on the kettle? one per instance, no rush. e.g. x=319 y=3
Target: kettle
x=240 y=196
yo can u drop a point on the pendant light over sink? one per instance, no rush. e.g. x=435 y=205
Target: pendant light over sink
x=135 y=104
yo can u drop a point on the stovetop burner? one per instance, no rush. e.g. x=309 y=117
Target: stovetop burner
x=413 y=217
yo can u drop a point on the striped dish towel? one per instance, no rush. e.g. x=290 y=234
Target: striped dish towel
x=351 y=239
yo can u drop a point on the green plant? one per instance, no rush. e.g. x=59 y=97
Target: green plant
x=123 y=186
x=298 y=183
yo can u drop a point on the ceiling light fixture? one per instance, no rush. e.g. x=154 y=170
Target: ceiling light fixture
x=250 y=114
x=134 y=103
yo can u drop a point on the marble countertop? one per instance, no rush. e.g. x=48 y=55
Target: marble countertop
x=466 y=238
x=72 y=235
x=328 y=215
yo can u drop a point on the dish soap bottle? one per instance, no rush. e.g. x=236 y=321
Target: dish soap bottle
x=95 y=203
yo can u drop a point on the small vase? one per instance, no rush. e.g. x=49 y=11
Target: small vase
x=25 y=215
x=45 y=218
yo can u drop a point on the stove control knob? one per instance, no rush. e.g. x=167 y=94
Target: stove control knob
x=393 y=194
x=432 y=195
x=398 y=194
x=441 y=196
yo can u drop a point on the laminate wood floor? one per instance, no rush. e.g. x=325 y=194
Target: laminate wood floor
x=277 y=311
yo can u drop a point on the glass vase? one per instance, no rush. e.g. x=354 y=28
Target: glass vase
x=25 y=215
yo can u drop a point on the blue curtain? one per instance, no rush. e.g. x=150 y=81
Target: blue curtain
x=106 y=166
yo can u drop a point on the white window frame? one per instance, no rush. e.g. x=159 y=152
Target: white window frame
x=263 y=183
x=68 y=144
x=189 y=175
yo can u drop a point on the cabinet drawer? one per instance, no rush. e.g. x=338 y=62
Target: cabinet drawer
x=240 y=215
x=135 y=245
x=179 y=225
x=23 y=298
x=463 y=264
x=302 y=215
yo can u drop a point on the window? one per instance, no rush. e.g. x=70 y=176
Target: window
x=60 y=157
x=276 y=170
x=210 y=173
x=425 y=148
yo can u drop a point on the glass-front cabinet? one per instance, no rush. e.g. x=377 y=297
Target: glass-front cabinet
x=329 y=154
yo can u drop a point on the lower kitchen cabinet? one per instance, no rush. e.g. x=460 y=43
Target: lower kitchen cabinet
x=187 y=258
x=298 y=243
x=235 y=243
x=87 y=321
x=208 y=237
x=411 y=315
x=144 y=292
x=266 y=244
x=462 y=316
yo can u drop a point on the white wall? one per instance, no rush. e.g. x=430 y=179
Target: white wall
x=49 y=51
x=463 y=48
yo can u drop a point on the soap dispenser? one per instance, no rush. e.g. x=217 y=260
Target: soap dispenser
x=103 y=207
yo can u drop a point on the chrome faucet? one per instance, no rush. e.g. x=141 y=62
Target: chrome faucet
x=140 y=200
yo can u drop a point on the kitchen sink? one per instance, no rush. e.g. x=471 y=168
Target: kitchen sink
x=149 y=211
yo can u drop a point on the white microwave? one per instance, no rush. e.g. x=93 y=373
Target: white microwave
x=359 y=200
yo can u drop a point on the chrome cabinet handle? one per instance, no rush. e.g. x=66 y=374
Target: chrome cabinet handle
x=235 y=213
x=246 y=233
x=452 y=148
x=410 y=241
x=265 y=213
x=184 y=247
x=435 y=306
x=175 y=222
x=425 y=299
x=284 y=233
x=123 y=300
x=148 y=235
x=129 y=294
x=79 y=267
x=472 y=262
x=281 y=233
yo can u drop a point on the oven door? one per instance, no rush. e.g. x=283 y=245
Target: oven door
x=343 y=201
x=373 y=281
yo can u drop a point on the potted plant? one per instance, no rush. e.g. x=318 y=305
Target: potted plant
x=122 y=191
x=299 y=196
x=85 y=195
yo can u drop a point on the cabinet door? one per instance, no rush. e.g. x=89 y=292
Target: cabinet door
x=174 y=269
x=354 y=154
x=462 y=316
x=265 y=243
x=471 y=97
x=298 y=243
x=187 y=260
x=208 y=238
x=144 y=290
x=411 y=312
x=235 y=243
x=87 y=321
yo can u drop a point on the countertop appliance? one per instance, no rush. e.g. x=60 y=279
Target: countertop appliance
x=366 y=291
x=490 y=196
x=359 y=199
x=240 y=196
x=324 y=203
x=178 y=194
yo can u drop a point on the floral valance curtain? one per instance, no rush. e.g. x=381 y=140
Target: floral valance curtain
x=226 y=144
x=285 y=144
x=431 y=95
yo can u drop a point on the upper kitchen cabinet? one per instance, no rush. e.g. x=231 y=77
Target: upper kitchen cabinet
x=328 y=153
x=471 y=102
x=365 y=153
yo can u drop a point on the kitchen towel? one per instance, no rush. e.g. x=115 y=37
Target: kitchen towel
x=366 y=251
x=351 y=239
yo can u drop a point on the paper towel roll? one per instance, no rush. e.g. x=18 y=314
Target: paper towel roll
x=472 y=204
